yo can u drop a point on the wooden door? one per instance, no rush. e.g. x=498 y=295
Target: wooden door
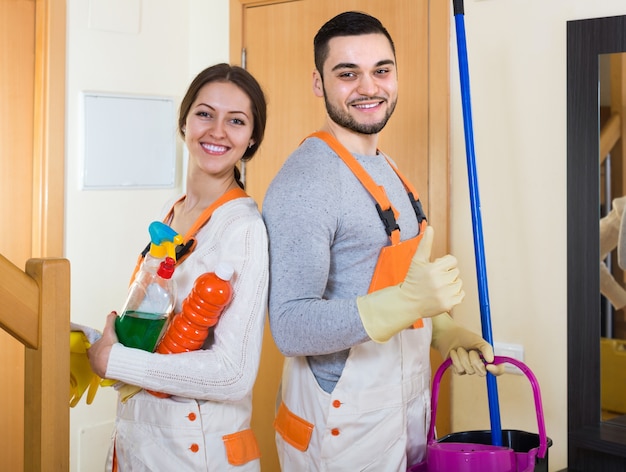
x=278 y=40
x=17 y=33
x=32 y=93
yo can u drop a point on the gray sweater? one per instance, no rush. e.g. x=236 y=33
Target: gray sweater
x=325 y=237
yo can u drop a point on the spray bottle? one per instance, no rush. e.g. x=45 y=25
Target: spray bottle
x=152 y=294
x=163 y=242
x=188 y=330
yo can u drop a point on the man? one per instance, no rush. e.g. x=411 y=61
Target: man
x=355 y=303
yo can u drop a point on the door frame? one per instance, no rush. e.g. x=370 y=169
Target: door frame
x=49 y=129
x=438 y=195
x=46 y=205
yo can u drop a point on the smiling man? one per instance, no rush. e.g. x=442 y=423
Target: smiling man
x=359 y=96
x=355 y=302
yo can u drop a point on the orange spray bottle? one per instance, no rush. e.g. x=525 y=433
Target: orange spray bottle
x=200 y=311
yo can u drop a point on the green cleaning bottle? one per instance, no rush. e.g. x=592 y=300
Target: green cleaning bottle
x=149 y=304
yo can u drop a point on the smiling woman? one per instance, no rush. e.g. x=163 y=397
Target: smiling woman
x=218 y=130
x=222 y=119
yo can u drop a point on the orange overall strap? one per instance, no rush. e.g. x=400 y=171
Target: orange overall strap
x=376 y=191
x=206 y=214
x=198 y=224
x=394 y=260
x=408 y=185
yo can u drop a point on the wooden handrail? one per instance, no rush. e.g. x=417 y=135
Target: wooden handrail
x=609 y=135
x=20 y=304
x=35 y=309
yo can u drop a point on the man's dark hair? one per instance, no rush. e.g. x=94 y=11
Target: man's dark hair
x=349 y=23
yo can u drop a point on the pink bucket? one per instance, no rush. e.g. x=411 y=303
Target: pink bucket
x=472 y=451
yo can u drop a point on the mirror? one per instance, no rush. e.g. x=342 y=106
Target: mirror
x=593 y=444
x=611 y=112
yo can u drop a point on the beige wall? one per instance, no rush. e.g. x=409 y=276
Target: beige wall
x=517 y=62
x=518 y=77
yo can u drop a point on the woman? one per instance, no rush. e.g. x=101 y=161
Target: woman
x=205 y=424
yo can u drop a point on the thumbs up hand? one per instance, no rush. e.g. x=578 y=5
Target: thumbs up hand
x=434 y=286
x=429 y=289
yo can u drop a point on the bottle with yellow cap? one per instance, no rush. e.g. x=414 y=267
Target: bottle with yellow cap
x=163 y=242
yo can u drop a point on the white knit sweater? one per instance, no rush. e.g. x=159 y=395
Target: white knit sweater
x=225 y=370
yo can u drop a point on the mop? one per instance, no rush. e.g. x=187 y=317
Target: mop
x=471 y=451
x=479 y=251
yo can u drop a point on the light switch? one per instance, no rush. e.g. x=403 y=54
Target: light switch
x=516 y=351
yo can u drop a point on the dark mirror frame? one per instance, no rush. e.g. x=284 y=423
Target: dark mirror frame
x=592 y=444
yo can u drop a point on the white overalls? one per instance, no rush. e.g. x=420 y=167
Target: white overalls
x=178 y=434
x=377 y=416
x=182 y=435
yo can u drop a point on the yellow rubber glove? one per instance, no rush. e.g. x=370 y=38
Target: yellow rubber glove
x=429 y=288
x=127 y=391
x=464 y=347
x=82 y=377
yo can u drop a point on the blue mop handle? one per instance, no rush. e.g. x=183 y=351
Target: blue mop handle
x=479 y=251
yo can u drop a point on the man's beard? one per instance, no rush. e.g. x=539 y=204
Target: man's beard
x=344 y=119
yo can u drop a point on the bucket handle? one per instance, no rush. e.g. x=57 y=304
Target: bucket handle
x=543 y=441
